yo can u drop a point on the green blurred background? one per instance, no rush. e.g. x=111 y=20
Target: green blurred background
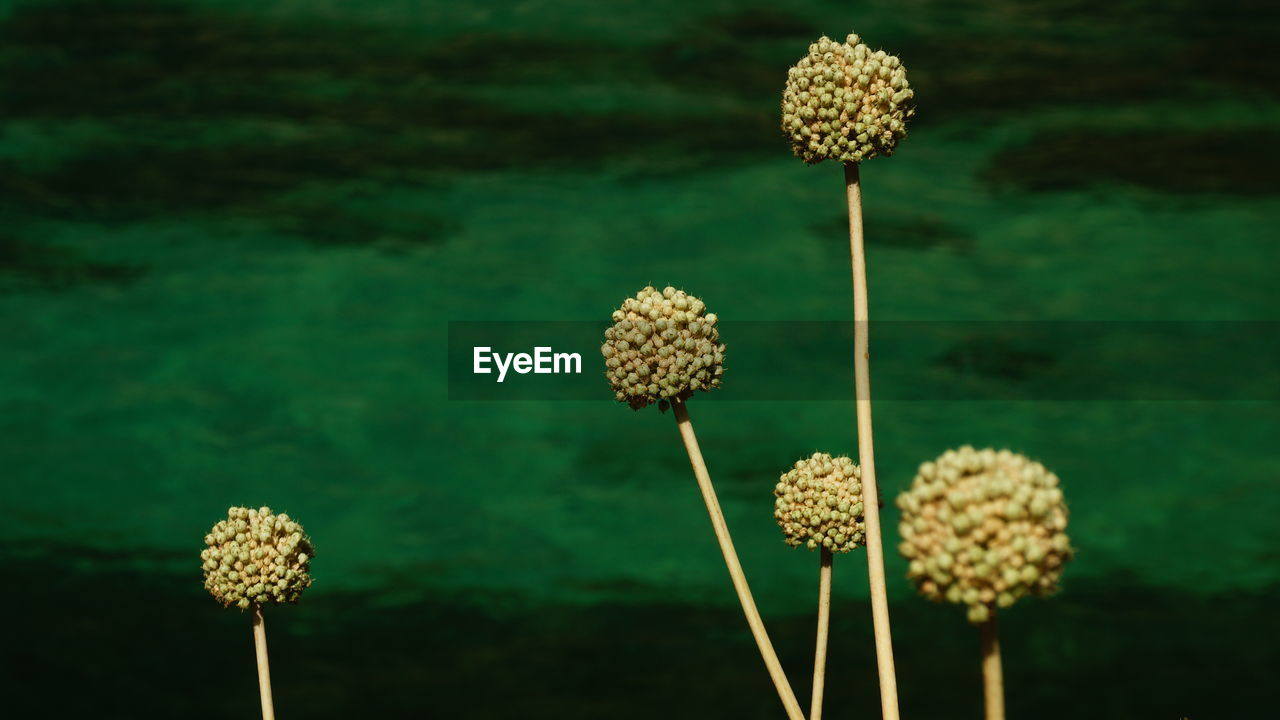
x=232 y=235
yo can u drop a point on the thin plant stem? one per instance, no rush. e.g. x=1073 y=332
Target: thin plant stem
x=735 y=568
x=992 y=672
x=824 y=626
x=264 y=666
x=866 y=452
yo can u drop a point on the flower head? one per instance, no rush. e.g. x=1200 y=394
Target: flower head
x=819 y=503
x=256 y=556
x=984 y=528
x=846 y=102
x=663 y=346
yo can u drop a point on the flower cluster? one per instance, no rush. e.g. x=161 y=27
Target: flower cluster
x=846 y=102
x=662 y=347
x=819 y=503
x=984 y=528
x=254 y=557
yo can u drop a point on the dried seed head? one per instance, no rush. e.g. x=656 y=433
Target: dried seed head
x=846 y=102
x=984 y=528
x=256 y=556
x=818 y=502
x=663 y=346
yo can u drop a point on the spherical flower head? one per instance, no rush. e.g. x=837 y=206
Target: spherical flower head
x=663 y=346
x=984 y=528
x=819 y=504
x=846 y=102
x=256 y=557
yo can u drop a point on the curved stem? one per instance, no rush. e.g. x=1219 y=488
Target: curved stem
x=992 y=672
x=264 y=666
x=866 y=452
x=735 y=568
x=824 y=626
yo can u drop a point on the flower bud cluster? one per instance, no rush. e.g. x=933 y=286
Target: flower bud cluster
x=984 y=528
x=846 y=102
x=662 y=347
x=819 y=503
x=254 y=557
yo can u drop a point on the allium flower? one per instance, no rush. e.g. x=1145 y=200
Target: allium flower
x=846 y=102
x=663 y=346
x=984 y=528
x=255 y=557
x=819 y=503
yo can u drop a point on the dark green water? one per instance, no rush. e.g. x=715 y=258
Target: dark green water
x=232 y=236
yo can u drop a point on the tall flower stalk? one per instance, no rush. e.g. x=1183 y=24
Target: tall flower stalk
x=848 y=103
x=662 y=348
x=818 y=504
x=255 y=558
x=983 y=529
